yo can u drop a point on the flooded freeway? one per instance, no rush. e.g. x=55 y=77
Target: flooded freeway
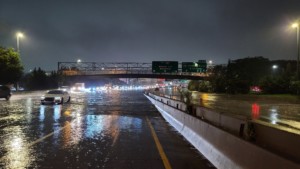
x=112 y=129
x=282 y=112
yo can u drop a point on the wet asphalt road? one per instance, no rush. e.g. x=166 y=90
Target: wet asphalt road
x=113 y=129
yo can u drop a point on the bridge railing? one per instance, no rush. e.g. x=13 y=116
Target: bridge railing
x=93 y=68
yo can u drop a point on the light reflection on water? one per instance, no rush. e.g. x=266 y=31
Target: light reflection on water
x=76 y=126
x=57 y=111
x=42 y=113
x=56 y=125
x=255 y=111
x=29 y=105
x=274 y=115
x=67 y=134
x=18 y=151
x=206 y=100
x=102 y=126
x=73 y=132
x=38 y=127
x=95 y=125
x=27 y=121
x=130 y=123
x=280 y=112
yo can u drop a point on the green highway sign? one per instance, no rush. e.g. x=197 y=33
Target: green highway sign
x=194 y=67
x=164 y=66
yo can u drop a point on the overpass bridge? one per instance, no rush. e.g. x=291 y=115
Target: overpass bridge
x=94 y=70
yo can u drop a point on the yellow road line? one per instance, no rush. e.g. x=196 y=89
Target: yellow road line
x=159 y=147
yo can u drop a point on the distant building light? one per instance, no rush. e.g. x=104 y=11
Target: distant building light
x=255 y=89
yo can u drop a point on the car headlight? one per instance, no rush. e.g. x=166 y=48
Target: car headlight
x=57 y=98
x=43 y=97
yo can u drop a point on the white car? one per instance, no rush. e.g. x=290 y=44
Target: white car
x=56 y=97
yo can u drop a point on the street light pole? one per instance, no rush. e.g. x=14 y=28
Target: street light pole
x=297 y=52
x=19 y=35
x=296 y=25
x=18 y=44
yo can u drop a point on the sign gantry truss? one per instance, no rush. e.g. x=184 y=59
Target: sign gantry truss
x=95 y=68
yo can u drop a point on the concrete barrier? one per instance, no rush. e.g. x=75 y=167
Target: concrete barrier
x=174 y=103
x=224 y=150
x=235 y=125
x=280 y=141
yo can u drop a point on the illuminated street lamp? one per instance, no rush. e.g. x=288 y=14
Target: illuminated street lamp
x=78 y=61
x=274 y=67
x=209 y=66
x=19 y=35
x=296 y=25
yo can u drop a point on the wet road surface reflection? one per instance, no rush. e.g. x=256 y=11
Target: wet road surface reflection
x=94 y=130
x=279 y=112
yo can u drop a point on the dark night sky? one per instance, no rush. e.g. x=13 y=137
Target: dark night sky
x=143 y=31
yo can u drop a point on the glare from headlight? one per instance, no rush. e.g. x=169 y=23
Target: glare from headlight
x=43 y=97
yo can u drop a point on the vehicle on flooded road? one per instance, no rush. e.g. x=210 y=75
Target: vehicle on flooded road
x=55 y=97
x=5 y=92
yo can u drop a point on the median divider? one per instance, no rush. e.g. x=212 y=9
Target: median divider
x=209 y=134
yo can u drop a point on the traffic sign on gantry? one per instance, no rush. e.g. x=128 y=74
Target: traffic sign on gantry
x=194 y=67
x=164 y=66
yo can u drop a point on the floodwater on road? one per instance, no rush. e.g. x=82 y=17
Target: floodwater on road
x=109 y=129
x=282 y=113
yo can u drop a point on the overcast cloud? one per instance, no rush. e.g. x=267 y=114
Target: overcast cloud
x=143 y=31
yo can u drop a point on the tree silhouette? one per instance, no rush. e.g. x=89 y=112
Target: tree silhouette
x=11 y=69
